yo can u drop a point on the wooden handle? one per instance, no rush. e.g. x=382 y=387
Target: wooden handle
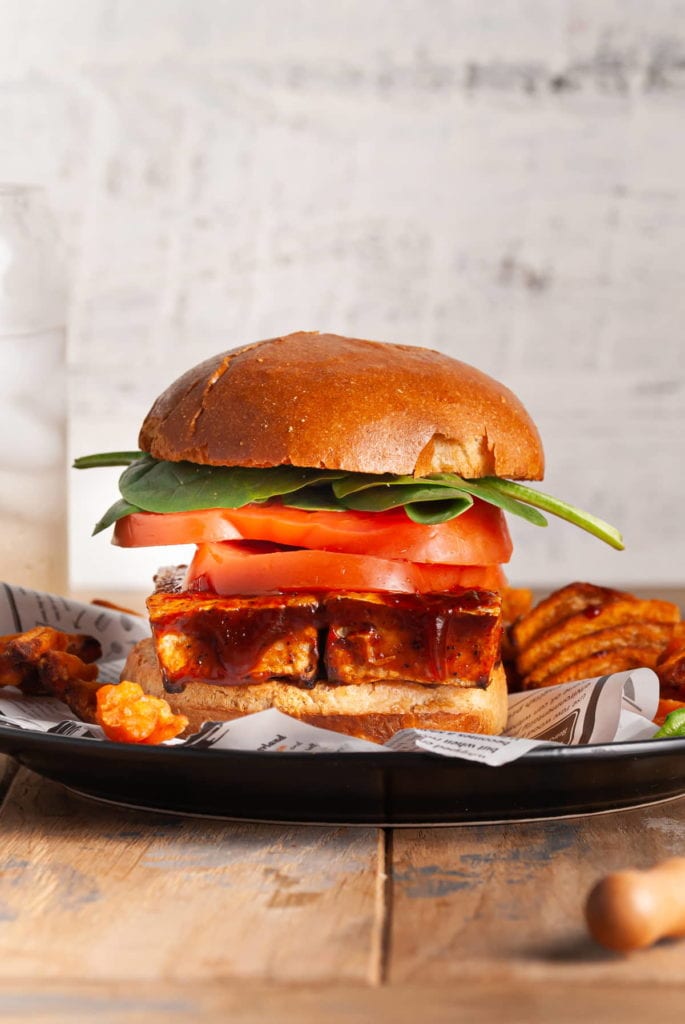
x=633 y=909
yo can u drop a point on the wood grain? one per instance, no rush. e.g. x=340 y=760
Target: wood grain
x=506 y=902
x=101 y=893
x=116 y=915
x=483 y=1001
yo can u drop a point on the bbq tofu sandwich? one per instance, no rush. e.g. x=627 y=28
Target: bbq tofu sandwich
x=345 y=499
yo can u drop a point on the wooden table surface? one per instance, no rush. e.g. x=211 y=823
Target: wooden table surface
x=109 y=914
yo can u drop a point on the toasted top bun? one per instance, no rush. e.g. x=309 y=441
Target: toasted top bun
x=325 y=401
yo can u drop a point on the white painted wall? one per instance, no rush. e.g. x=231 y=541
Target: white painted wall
x=504 y=181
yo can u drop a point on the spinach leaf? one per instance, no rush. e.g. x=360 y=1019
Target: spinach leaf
x=437 y=511
x=315 y=499
x=152 y=485
x=106 y=459
x=585 y=520
x=353 y=483
x=484 y=490
x=157 y=486
x=378 y=499
x=116 y=511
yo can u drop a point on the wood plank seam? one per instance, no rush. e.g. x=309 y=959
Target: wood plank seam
x=10 y=769
x=380 y=939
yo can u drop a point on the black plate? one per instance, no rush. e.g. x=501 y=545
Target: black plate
x=357 y=789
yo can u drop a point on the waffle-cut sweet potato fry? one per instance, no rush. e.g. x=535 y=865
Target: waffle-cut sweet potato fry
x=614 y=638
x=30 y=646
x=516 y=602
x=676 y=642
x=616 y=612
x=58 y=669
x=561 y=605
x=128 y=715
x=45 y=661
x=671 y=665
x=80 y=696
x=665 y=707
x=583 y=630
x=10 y=673
x=22 y=656
x=603 y=663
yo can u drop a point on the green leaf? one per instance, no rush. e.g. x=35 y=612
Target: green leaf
x=116 y=511
x=351 y=483
x=157 y=486
x=152 y=485
x=378 y=499
x=366 y=493
x=106 y=459
x=486 y=492
x=437 y=511
x=315 y=499
x=597 y=527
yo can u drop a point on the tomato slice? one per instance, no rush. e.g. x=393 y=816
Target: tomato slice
x=248 y=569
x=477 y=537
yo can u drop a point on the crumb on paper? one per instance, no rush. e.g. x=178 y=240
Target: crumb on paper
x=128 y=715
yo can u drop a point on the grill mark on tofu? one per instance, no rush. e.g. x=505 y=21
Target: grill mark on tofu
x=232 y=641
x=429 y=639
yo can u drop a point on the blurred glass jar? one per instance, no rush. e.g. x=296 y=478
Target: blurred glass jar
x=33 y=412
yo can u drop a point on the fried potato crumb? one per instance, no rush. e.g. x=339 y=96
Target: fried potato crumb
x=128 y=715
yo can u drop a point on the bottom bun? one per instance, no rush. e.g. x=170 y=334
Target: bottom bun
x=370 y=711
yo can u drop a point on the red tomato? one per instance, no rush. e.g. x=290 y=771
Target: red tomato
x=248 y=569
x=477 y=537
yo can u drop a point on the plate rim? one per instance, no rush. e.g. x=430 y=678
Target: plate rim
x=588 y=751
x=412 y=788
x=287 y=822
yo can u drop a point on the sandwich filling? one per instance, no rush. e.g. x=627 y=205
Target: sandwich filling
x=340 y=638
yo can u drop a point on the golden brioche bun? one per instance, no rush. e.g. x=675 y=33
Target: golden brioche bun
x=326 y=401
x=370 y=711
